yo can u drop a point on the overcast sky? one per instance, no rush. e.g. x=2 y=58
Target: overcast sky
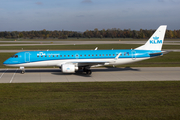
x=81 y=15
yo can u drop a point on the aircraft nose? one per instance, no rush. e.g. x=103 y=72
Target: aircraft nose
x=7 y=62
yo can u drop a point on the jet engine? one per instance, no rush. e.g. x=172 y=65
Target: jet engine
x=69 y=68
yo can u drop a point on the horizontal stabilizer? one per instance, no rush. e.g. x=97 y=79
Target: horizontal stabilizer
x=155 y=53
x=163 y=52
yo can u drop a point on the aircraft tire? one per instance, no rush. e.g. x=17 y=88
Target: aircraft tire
x=22 y=71
x=88 y=72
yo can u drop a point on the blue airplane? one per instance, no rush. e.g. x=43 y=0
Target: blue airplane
x=70 y=61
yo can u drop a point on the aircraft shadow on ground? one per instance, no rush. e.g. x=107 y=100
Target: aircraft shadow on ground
x=83 y=74
x=30 y=71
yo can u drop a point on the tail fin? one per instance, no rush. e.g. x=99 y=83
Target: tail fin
x=156 y=40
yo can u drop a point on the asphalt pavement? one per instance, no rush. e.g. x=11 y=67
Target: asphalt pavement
x=38 y=75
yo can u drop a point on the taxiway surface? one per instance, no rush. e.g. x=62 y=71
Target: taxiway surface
x=42 y=43
x=16 y=43
x=37 y=75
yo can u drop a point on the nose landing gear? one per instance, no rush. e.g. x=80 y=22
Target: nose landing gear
x=22 y=70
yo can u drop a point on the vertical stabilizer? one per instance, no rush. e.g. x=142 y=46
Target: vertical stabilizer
x=156 y=40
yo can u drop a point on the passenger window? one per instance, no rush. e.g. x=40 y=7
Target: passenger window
x=72 y=55
x=128 y=53
x=106 y=54
x=49 y=56
x=41 y=56
x=53 y=55
x=81 y=55
x=103 y=55
x=56 y=55
x=88 y=55
x=68 y=55
x=45 y=55
x=109 y=54
x=84 y=55
x=60 y=55
x=96 y=54
x=92 y=55
x=99 y=54
x=64 y=55
x=37 y=56
x=113 y=54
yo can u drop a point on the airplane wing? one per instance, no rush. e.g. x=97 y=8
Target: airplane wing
x=86 y=63
x=92 y=63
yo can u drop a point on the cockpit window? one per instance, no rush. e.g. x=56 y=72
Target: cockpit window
x=14 y=56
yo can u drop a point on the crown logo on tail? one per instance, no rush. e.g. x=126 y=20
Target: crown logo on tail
x=156 y=38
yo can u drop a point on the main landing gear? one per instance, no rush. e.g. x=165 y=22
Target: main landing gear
x=22 y=70
x=88 y=71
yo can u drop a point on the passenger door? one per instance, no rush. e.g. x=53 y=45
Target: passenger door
x=27 y=57
x=133 y=52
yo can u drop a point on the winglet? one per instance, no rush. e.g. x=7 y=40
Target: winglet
x=96 y=48
x=116 y=58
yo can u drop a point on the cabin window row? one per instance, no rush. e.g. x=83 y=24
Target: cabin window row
x=85 y=55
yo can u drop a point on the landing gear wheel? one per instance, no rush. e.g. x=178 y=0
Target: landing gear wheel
x=88 y=72
x=23 y=71
x=84 y=70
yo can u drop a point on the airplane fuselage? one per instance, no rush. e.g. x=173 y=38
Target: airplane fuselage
x=57 y=58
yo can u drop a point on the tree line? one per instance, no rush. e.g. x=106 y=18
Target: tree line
x=109 y=33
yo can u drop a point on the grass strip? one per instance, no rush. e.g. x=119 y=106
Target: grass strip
x=81 y=47
x=69 y=47
x=98 y=100
x=80 y=39
x=86 y=39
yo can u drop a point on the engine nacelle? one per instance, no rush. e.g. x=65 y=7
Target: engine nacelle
x=68 y=68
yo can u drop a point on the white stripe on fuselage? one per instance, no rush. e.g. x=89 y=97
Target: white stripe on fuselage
x=60 y=62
